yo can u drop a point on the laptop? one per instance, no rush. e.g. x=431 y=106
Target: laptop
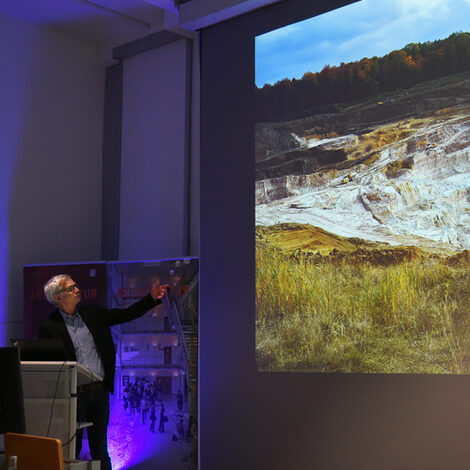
x=41 y=349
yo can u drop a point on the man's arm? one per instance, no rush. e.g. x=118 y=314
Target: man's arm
x=139 y=308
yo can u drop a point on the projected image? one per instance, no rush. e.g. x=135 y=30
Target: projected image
x=363 y=190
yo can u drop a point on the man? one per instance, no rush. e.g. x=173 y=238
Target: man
x=87 y=337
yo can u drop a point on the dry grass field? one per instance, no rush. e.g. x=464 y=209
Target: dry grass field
x=360 y=309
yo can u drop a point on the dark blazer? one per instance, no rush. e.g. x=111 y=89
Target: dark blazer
x=98 y=320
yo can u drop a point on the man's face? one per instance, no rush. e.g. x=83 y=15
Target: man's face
x=68 y=296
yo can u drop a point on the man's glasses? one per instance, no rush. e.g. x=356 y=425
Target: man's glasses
x=69 y=289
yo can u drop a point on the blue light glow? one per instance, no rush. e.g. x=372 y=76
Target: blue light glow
x=130 y=442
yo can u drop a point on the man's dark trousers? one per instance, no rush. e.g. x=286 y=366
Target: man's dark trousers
x=93 y=406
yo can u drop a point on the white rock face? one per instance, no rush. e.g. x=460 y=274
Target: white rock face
x=427 y=205
x=333 y=143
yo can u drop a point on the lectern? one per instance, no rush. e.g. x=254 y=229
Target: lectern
x=50 y=399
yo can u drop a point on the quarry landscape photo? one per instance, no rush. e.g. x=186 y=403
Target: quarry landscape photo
x=363 y=212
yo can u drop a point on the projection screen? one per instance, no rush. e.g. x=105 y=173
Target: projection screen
x=363 y=190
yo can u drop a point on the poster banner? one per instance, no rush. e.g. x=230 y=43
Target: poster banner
x=153 y=419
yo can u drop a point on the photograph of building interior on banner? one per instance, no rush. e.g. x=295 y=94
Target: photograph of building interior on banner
x=363 y=190
x=153 y=418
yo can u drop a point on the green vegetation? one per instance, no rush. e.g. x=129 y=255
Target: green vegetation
x=410 y=317
x=369 y=77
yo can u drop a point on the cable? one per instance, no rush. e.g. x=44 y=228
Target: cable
x=55 y=396
x=73 y=437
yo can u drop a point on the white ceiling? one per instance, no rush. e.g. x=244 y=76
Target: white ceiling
x=114 y=22
x=103 y=21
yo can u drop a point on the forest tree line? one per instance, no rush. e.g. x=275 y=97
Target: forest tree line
x=400 y=69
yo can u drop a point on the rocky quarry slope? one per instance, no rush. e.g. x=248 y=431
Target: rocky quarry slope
x=394 y=170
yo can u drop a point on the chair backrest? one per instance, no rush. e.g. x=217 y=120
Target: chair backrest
x=34 y=452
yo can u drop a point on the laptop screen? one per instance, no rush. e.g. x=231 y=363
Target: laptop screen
x=41 y=349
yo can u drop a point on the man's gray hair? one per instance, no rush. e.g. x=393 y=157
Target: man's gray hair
x=54 y=285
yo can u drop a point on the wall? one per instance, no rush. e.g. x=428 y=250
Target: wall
x=152 y=205
x=52 y=93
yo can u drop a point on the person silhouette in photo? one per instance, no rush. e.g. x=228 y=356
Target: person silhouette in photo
x=180 y=428
x=137 y=397
x=152 y=418
x=191 y=422
x=126 y=403
x=145 y=409
x=179 y=400
x=86 y=334
x=163 y=419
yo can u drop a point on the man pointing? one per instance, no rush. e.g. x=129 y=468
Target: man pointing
x=87 y=337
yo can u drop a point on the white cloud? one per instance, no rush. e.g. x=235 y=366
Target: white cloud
x=364 y=29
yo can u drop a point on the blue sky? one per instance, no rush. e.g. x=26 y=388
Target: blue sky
x=365 y=29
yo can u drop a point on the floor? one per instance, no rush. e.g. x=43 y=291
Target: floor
x=133 y=446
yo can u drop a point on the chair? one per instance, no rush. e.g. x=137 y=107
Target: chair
x=34 y=452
